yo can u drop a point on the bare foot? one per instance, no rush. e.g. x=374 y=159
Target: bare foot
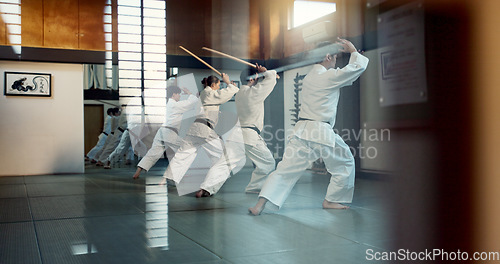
x=330 y=205
x=202 y=193
x=255 y=210
x=163 y=181
x=137 y=173
x=259 y=207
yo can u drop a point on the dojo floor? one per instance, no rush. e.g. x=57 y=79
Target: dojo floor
x=103 y=216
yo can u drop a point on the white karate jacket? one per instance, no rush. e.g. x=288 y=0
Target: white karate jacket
x=107 y=124
x=250 y=105
x=175 y=110
x=211 y=101
x=319 y=98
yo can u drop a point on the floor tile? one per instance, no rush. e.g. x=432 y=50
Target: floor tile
x=12 y=190
x=113 y=239
x=54 y=178
x=345 y=254
x=355 y=224
x=14 y=210
x=62 y=188
x=233 y=232
x=18 y=243
x=11 y=180
x=58 y=207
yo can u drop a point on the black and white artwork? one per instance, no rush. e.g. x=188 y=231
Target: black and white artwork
x=27 y=84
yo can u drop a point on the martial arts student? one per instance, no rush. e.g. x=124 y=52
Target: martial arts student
x=102 y=137
x=114 y=124
x=202 y=133
x=168 y=134
x=313 y=136
x=124 y=147
x=114 y=140
x=250 y=108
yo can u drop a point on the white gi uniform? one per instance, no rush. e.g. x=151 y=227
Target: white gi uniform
x=167 y=135
x=250 y=107
x=114 y=124
x=311 y=140
x=122 y=148
x=102 y=138
x=200 y=134
x=115 y=139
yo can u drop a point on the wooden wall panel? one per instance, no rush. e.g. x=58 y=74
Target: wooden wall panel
x=240 y=34
x=3 y=32
x=187 y=23
x=60 y=27
x=254 y=29
x=91 y=24
x=215 y=22
x=264 y=20
x=353 y=21
x=224 y=25
x=32 y=23
x=277 y=26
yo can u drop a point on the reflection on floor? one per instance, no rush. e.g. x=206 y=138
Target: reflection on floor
x=103 y=216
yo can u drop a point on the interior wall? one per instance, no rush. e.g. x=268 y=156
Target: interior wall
x=43 y=135
x=378 y=149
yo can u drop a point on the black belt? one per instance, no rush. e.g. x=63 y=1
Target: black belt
x=307 y=119
x=204 y=121
x=173 y=129
x=121 y=129
x=253 y=128
x=104 y=133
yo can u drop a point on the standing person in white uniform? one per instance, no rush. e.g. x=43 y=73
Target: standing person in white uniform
x=102 y=137
x=168 y=134
x=202 y=133
x=313 y=136
x=114 y=124
x=250 y=107
x=124 y=146
x=115 y=139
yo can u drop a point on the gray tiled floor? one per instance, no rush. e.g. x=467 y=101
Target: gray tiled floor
x=103 y=216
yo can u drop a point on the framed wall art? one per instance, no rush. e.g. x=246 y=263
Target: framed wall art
x=27 y=84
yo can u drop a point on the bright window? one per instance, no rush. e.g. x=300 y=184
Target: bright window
x=306 y=11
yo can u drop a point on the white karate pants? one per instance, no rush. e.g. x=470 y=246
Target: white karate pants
x=299 y=155
x=121 y=149
x=110 y=145
x=160 y=145
x=186 y=154
x=258 y=153
x=100 y=143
